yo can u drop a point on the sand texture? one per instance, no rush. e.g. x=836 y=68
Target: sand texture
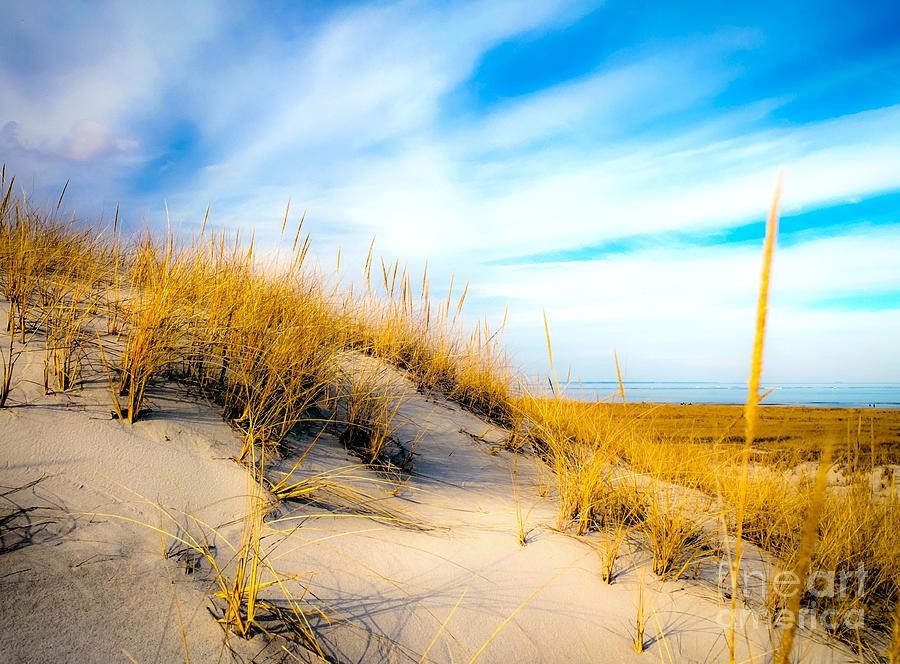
x=428 y=562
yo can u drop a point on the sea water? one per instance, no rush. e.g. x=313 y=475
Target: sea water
x=848 y=395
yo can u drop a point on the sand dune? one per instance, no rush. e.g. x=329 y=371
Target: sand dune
x=432 y=566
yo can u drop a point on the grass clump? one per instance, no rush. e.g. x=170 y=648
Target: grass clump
x=368 y=410
x=69 y=306
x=609 y=551
x=676 y=540
x=152 y=327
x=423 y=337
x=278 y=362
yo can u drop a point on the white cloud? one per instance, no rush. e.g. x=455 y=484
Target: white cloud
x=690 y=313
x=88 y=140
x=75 y=85
x=348 y=117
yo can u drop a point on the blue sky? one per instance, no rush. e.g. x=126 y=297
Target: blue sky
x=610 y=163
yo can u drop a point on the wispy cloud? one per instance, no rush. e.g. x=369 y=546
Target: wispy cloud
x=794 y=227
x=608 y=164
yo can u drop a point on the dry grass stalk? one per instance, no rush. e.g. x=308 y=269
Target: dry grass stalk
x=804 y=560
x=8 y=357
x=619 y=377
x=521 y=518
x=752 y=405
x=609 y=551
x=640 y=623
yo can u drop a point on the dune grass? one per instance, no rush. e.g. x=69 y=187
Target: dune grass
x=640 y=619
x=368 y=409
x=264 y=339
x=69 y=304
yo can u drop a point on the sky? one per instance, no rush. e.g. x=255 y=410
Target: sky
x=610 y=164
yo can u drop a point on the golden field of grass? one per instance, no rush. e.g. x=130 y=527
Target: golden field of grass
x=781 y=430
x=267 y=345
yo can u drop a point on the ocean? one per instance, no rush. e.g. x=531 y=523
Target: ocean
x=848 y=395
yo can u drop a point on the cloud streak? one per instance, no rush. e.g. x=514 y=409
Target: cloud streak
x=625 y=195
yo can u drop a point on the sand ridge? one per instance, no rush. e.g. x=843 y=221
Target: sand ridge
x=447 y=576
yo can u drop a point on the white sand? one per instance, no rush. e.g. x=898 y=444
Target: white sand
x=97 y=589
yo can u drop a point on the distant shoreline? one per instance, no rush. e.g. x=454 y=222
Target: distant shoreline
x=812 y=395
x=768 y=404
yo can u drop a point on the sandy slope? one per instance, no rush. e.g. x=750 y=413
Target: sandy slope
x=79 y=587
x=76 y=587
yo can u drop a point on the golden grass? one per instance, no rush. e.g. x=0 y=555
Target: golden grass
x=151 y=326
x=640 y=620
x=609 y=551
x=265 y=343
x=676 y=540
x=579 y=449
x=753 y=397
x=521 y=517
x=803 y=561
x=70 y=305
x=8 y=357
x=368 y=412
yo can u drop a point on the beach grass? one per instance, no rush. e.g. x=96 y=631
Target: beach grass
x=265 y=340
